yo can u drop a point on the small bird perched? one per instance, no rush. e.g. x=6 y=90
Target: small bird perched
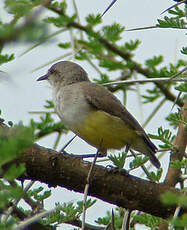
x=94 y=113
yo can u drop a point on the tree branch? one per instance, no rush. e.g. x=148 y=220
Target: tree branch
x=124 y=55
x=173 y=175
x=121 y=189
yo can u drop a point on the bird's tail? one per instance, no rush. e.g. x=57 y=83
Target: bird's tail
x=145 y=146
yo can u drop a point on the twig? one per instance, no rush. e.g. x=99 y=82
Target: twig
x=143 y=167
x=78 y=18
x=124 y=55
x=15 y=202
x=171 y=225
x=146 y=80
x=126 y=220
x=42 y=41
x=86 y=190
x=57 y=140
x=111 y=4
x=139 y=99
x=154 y=112
x=33 y=219
x=54 y=60
x=143 y=28
x=62 y=150
x=72 y=43
x=94 y=66
x=173 y=174
x=177 y=74
x=176 y=4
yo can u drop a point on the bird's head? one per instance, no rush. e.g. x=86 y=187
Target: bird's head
x=64 y=73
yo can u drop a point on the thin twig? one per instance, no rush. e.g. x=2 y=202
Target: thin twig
x=57 y=140
x=72 y=43
x=139 y=99
x=42 y=41
x=86 y=190
x=177 y=98
x=143 y=167
x=63 y=148
x=78 y=18
x=171 y=224
x=124 y=55
x=180 y=72
x=126 y=220
x=111 y=4
x=54 y=60
x=33 y=219
x=16 y=201
x=143 y=28
x=146 y=80
x=176 y=4
x=154 y=112
x=94 y=66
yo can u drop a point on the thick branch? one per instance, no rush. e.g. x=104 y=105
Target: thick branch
x=173 y=175
x=124 y=190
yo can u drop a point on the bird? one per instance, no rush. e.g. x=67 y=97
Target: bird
x=93 y=113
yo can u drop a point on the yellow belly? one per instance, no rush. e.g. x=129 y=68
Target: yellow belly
x=105 y=131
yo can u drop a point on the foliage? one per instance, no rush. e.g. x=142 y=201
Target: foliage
x=101 y=46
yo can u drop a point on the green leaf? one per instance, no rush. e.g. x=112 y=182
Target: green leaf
x=13 y=143
x=172 y=23
x=46 y=125
x=61 y=21
x=182 y=87
x=156 y=176
x=14 y=171
x=6 y=58
x=131 y=45
x=151 y=63
x=64 y=45
x=184 y=50
x=138 y=161
x=169 y=198
x=118 y=160
x=164 y=135
x=179 y=164
x=60 y=5
x=111 y=65
x=178 y=12
x=113 y=32
x=180 y=222
x=94 y=20
x=176 y=119
x=148 y=220
x=50 y=105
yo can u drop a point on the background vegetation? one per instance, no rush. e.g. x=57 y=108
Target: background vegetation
x=159 y=201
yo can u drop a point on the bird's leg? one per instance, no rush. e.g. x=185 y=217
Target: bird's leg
x=99 y=153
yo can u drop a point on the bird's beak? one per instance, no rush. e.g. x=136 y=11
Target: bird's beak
x=44 y=77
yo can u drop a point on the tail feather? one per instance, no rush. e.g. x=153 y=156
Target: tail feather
x=146 y=146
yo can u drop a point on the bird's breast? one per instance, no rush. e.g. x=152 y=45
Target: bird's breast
x=71 y=107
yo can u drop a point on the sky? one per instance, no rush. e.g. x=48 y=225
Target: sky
x=22 y=94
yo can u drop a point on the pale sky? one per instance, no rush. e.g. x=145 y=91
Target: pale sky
x=23 y=93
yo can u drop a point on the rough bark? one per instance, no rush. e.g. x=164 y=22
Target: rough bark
x=118 y=188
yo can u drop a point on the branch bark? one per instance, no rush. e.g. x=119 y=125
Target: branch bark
x=173 y=175
x=121 y=189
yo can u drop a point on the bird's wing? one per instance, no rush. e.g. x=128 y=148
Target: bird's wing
x=102 y=99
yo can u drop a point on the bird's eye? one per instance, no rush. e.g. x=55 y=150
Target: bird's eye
x=53 y=71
